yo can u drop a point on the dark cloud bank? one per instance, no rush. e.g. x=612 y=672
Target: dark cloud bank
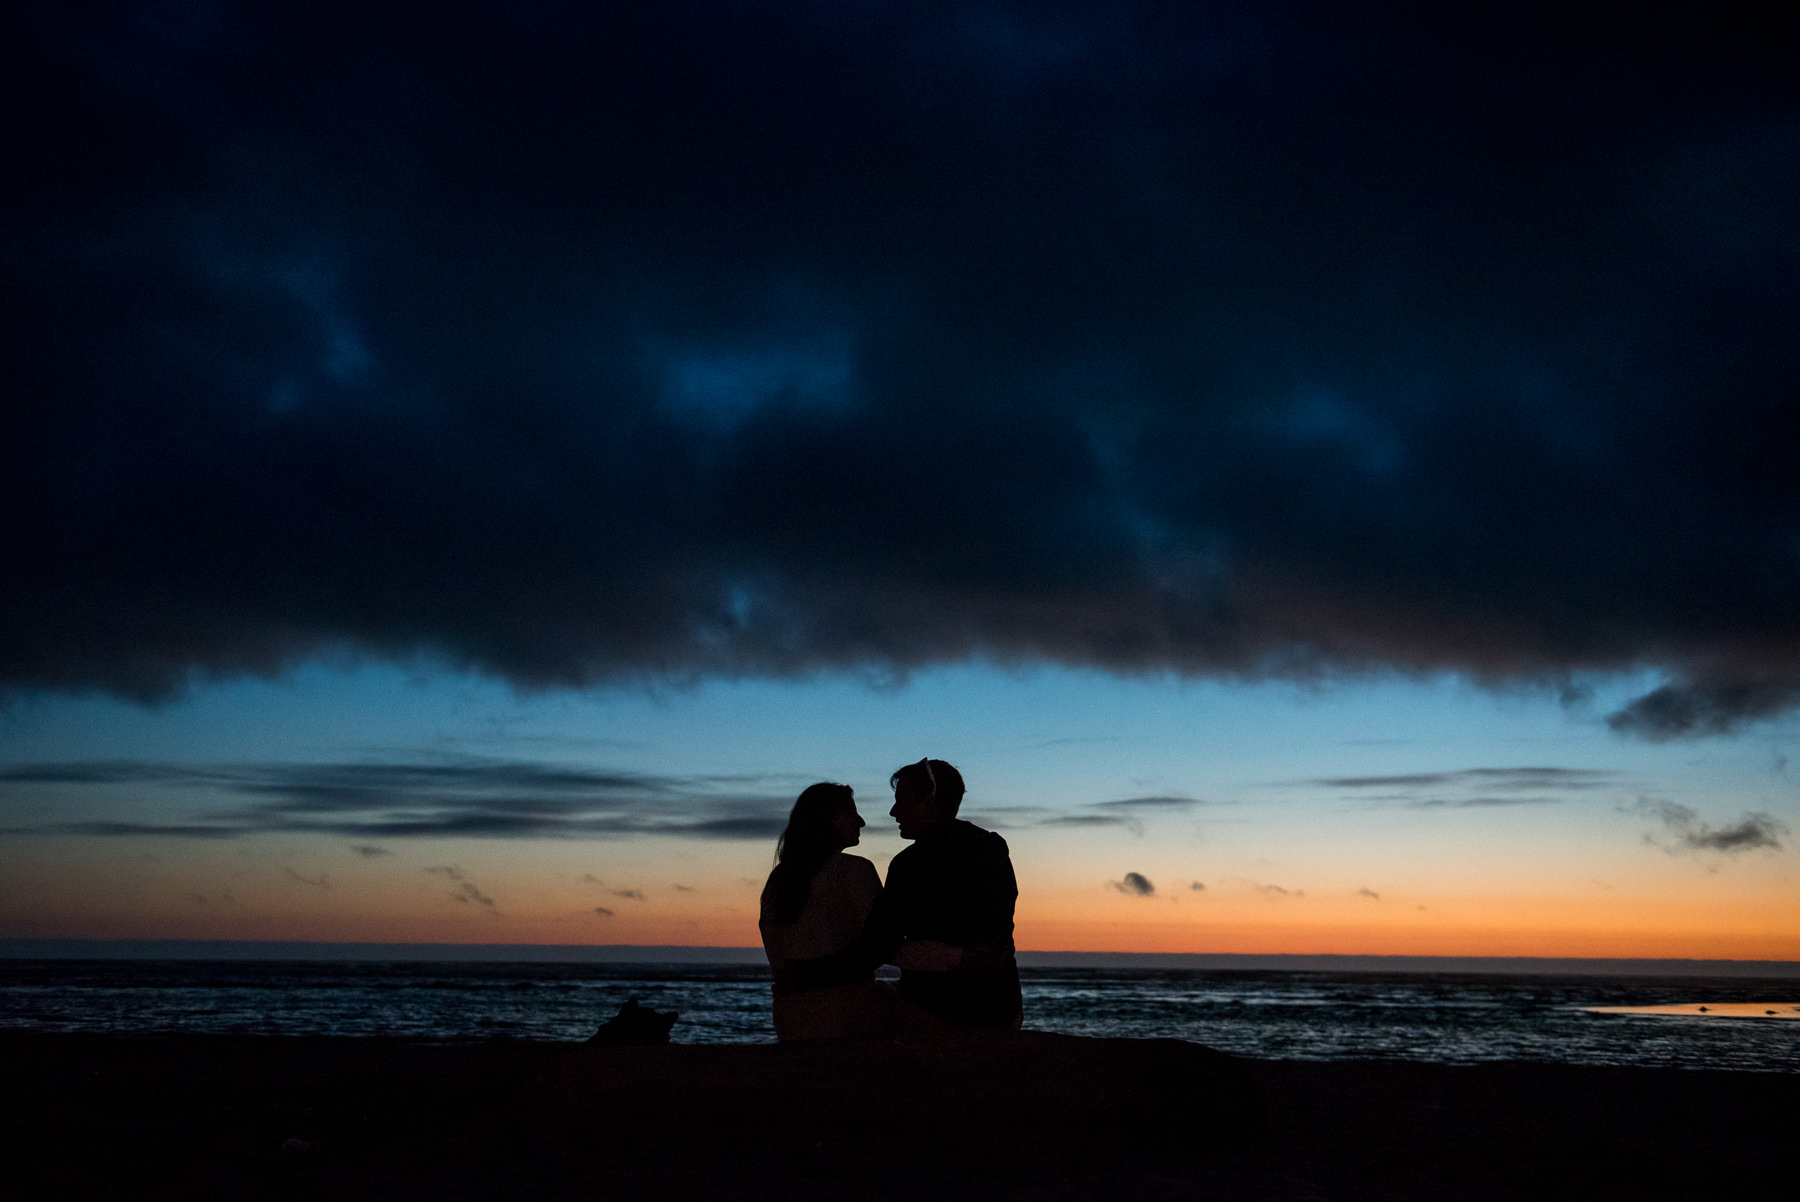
x=573 y=343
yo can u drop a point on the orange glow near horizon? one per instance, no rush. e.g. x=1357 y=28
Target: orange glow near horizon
x=468 y=893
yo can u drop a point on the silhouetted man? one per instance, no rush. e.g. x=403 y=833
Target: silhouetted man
x=950 y=898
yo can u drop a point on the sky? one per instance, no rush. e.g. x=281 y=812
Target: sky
x=1322 y=472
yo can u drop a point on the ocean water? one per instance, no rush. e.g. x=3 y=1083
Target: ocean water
x=1442 y=1018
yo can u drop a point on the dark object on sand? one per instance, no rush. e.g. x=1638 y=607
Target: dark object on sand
x=634 y=1026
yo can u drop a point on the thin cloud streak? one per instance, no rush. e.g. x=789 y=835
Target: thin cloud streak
x=1521 y=778
x=1486 y=788
x=1477 y=803
x=1150 y=803
x=1268 y=889
x=463 y=798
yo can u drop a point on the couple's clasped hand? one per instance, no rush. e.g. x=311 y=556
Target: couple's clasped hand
x=928 y=955
x=932 y=955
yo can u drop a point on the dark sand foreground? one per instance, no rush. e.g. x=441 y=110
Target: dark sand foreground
x=1040 y=1117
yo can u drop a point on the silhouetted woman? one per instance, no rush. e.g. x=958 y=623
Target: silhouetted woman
x=815 y=903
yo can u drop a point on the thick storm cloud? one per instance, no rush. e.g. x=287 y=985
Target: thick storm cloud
x=572 y=343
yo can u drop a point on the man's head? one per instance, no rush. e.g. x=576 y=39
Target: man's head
x=926 y=794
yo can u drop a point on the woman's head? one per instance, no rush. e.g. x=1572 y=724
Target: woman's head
x=823 y=822
x=824 y=815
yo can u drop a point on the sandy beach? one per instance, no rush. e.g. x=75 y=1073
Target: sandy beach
x=1038 y=1117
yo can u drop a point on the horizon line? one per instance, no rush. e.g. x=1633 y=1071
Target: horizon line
x=623 y=953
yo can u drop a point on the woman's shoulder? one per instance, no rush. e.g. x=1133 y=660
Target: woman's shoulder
x=845 y=864
x=851 y=874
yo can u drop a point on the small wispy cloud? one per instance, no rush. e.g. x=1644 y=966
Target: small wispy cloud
x=1269 y=890
x=1683 y=831
x=466 y=890
x=1134 y=884
x=320 y=882
x=369 y=852
x=1198 y=886
x=603 y=912
x=629 y=894
x=1368 y=893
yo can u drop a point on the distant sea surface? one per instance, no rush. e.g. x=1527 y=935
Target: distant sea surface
x=1445 y=1018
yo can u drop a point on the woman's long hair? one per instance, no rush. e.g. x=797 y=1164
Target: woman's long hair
x=805 y=845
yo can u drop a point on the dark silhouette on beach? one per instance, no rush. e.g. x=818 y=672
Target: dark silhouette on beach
x=634 y=1026
x=945 y=915
x=815 y=903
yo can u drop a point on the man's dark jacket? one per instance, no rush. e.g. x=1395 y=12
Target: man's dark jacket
x=955 y=884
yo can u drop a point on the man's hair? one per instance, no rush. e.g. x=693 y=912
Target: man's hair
x=936 y=778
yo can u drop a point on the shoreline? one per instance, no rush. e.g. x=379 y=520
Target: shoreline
x=1034 y=1116
x=675 y=954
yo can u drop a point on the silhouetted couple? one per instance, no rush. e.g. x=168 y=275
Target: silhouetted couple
x=945 y=918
